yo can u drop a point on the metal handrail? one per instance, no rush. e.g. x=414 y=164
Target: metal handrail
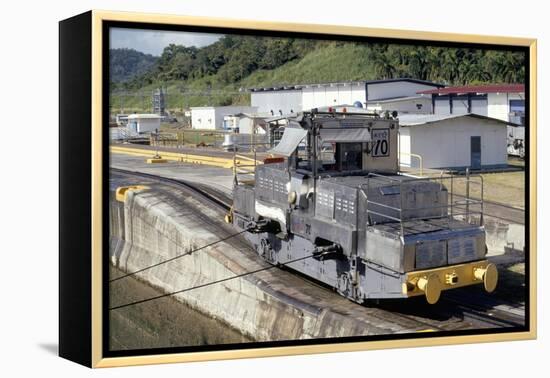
x=421 y=218
x=459 y=205
x=474 y=202
x=378 y=175
x=237 y=166
x=419 y=157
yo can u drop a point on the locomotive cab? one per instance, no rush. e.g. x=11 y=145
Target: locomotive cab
x=336 y=208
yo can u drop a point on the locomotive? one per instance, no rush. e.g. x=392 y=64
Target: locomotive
x=332 y=204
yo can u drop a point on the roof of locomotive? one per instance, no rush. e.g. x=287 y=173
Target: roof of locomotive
x=378 y=181
x=359 y=179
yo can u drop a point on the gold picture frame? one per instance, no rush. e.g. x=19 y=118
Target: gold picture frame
x=93 y=25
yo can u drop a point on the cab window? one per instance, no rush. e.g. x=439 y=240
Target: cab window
x=341 y=157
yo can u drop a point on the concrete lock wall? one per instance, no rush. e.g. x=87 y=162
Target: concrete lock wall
x=265 y=306
x=504 y=237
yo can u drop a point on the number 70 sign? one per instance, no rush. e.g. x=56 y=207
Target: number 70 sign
x=380 y=142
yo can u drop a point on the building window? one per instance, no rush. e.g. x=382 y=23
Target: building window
x=517 y=112
x=341 y=157
x=517 y=106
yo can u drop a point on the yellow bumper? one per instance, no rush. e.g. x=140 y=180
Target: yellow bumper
x=432 y=282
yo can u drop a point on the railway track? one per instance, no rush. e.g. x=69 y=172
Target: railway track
x=454 y=312
x=212 y=195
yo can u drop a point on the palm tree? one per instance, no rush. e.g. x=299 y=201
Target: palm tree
x=383 y=66
x=508 y=67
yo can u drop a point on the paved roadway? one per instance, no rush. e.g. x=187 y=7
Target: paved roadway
x=219 y=178
x=209 y=151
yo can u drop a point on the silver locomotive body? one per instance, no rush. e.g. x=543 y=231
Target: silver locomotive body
x=337 y=209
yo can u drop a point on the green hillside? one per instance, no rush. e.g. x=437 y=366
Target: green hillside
x=328 y=64
x=126 y=64
x=331 y=63
x=216 y=74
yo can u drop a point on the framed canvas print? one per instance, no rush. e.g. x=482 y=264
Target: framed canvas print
x=234 y=189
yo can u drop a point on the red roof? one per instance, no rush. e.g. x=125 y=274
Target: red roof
x=487 y=88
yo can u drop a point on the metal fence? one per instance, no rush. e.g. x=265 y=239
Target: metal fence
x=214 y=138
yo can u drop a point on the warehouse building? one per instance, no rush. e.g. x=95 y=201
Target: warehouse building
x=212 y=117
x=502 y=101
x=143 y=123
x=246 y=123
x=452 y=141
x=403 y=105
x=303 y=97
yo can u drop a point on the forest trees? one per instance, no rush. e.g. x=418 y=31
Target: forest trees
x=231 y=59
x=453 y=66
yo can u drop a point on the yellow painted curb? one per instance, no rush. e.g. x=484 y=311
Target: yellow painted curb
x=121 y=192
x=228 y=163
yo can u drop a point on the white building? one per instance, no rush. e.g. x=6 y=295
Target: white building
x=121 y=119
x=403 y=105
x=277 y=101
x=452 y=141
x=501 y=101
x=508 y=106
x=211 y=117
x=143 y=123
x=333 y=94
x=246 y=123
x=302 y=97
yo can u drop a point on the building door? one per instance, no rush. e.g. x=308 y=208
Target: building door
x=475 y=152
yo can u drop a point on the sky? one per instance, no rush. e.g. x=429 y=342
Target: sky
x=154 y=41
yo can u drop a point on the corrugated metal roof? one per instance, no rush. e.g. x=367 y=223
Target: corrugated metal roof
x=397 y=99
x=485 y=88
x=407 y=79
x=333 y=84
x=407 y=120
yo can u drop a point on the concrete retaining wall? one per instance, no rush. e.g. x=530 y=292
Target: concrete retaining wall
x=504 y=237
x=157 y=224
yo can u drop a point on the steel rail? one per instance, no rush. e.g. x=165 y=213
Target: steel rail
x=208 y=193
